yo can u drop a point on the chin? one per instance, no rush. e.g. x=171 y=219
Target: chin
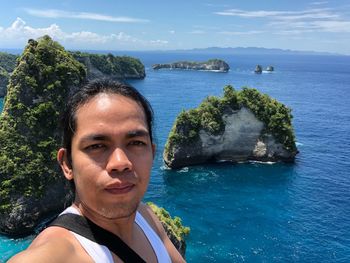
x=118 y=211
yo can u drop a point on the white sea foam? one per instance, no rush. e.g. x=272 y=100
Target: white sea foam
x=183 y=170
x=164 y=167
x=261 y=162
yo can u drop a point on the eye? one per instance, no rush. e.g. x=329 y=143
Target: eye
x=95 y=146
x=137 y=143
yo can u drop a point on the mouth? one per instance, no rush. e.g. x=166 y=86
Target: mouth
x=118 y=189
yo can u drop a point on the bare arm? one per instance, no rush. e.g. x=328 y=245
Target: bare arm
x=154 y=222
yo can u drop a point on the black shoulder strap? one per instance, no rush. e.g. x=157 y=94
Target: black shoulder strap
x=84 y=227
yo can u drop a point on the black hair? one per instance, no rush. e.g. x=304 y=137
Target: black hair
x=89 y=91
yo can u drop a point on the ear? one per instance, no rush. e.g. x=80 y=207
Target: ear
x=63 y=162
x=154 y=150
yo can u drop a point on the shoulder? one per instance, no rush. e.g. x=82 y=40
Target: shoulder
x=54 y=244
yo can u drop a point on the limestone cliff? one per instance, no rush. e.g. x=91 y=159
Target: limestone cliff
x=32 y=187
x=210 y=65
x=243 y=125
x=109 y=66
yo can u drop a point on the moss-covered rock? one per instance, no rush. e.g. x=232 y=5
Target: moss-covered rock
x=31 y=183
x=109 y=66
x=173 y=226
x=242 y=125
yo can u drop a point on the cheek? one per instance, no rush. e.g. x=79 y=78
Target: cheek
x=86 y=175
x=143 y=168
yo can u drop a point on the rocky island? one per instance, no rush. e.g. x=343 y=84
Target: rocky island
x=270 y=68
x=258 y=69
x=241 y=126
x=33 y=188
x=216 y=65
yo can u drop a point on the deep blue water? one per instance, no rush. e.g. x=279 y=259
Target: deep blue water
x=257 y=212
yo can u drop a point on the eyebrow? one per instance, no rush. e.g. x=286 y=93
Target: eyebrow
x=137 y=133
x=104 y=137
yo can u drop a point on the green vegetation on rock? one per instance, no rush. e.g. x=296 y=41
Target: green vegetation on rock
x=276 y=117
x=7 y=65
x=174 y=225
x=29 y=136
x=119 y=67
x=8 y=61
x=4 y=77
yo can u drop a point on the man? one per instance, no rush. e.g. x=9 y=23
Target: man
x=108 y=153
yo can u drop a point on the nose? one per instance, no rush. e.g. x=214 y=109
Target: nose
x=118 y=161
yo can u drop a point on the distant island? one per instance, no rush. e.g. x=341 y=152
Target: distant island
x=251 y=51
x=241 y=126
x=217 y=65
x=259 y=69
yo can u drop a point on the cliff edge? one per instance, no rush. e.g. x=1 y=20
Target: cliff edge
x=242 y=126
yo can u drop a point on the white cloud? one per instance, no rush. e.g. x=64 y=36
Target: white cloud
x=159 y=42
x=319 y=3
x=215 y=5
x=197 y=32
x=237 y=33
x=172 y=32
x=283 y=15
x=54 y=13
x=18 y=33
x=332 y=26
x=297 y=22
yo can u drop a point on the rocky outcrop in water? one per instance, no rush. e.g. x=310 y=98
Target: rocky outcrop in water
x=210 y=65
x=258 y=69
x=270 y=68
x=242 y=126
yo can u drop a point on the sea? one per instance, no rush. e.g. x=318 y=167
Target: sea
x=255 y=212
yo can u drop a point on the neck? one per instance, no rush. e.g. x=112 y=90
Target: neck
x=122 y=227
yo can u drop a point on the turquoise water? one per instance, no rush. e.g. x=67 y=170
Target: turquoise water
x=257 y=212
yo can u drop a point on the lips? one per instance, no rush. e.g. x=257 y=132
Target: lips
x=119 y=188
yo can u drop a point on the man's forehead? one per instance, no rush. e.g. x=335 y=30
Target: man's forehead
x=110 y=114
x=105 y=102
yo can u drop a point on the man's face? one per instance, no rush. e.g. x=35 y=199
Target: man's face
x=112 y=155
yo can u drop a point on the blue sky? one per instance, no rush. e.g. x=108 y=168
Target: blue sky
x=166 y=25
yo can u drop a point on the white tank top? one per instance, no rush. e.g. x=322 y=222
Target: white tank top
x=101 y=254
